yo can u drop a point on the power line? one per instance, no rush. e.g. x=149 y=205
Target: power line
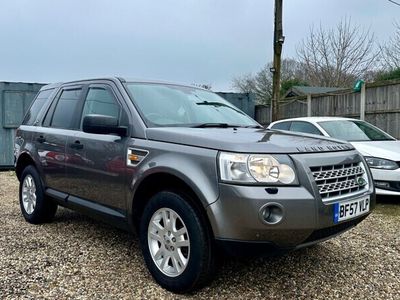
x=394 y=2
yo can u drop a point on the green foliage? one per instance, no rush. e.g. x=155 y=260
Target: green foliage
x=390 y=75
x=288 y=84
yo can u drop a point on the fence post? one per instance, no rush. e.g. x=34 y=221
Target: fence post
x=362 y=102
x=308 y=105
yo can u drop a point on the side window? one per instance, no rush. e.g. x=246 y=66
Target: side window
x=281 y=126
x=100 y=101
x=66 y=109
x=304 y=127
x=37 y=106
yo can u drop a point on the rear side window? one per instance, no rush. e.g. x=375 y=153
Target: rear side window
x=281 y=126
x=38 y=104
x=66 y=110
x=304 y=127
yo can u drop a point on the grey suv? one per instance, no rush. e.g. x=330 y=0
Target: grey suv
x=190 y=172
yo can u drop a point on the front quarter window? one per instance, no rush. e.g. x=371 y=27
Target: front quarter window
x=281 y=126
x=304 y=127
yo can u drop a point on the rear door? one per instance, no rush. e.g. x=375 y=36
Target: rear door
x=96 y=163
x=50 y=139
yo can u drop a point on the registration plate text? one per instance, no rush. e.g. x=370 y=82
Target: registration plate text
x=350 y=209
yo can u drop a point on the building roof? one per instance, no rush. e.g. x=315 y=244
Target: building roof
x=306 y=90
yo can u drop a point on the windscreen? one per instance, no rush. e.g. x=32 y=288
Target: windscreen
x=353 y=131
x=172 y=105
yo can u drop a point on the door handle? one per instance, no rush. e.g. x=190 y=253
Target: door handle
x=76 y=145
x=41 y=139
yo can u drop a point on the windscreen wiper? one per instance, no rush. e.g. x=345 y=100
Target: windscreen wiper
x=216 y=125
x=254 y=126
x=219 y=104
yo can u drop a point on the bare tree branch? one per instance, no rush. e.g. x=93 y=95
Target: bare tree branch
x=391 y=51
x=394 y=2
x=336 y=57
x=261 y=83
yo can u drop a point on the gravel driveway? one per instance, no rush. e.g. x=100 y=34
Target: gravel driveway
x=76 y=257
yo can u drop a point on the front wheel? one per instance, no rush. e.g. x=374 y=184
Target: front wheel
x=176 y=243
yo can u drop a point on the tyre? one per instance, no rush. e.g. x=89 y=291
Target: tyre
x=176 y=243
x=35 y=206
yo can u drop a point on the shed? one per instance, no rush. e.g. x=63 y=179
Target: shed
x=15 y=98
x=298 y=90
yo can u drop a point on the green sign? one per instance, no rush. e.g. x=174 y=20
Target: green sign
x=358 y=85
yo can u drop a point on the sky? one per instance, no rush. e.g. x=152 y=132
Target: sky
x=184 y=41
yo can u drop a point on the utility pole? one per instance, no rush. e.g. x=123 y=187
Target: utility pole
x=276 y=70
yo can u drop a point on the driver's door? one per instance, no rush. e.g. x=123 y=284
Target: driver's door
x=96 y=163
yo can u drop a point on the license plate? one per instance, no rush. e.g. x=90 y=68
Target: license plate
x=350 y=209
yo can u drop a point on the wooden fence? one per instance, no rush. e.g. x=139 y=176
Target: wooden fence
x=382 y=106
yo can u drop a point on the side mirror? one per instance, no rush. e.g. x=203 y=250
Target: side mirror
x=102 y=124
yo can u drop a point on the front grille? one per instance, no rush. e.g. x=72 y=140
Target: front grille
x=336 y=181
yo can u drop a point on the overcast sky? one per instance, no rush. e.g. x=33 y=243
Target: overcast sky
x=187 y=41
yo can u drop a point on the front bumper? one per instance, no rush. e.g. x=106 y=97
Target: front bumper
x=387 y=181
x=264 y=248
x=236 y=216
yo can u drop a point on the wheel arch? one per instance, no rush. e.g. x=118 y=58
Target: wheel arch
x=24 y=160
x=166 y=181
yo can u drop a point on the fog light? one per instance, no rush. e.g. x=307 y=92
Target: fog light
x=271 y=213
x=382 y=184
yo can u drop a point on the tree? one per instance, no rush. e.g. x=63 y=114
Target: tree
x=260 y=84
x=391 y=51
x=288 y=84
x=337 y=57
x=389 y=75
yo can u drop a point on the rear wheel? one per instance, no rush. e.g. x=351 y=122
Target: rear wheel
x=176 y=243
x=35 y=207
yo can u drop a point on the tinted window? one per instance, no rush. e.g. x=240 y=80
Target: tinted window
x=66 y=109
x=100 y=101
x=353 y=131
x=37 y=106
x=304 y=127
x=281 y=126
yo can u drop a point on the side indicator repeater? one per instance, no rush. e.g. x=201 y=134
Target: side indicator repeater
x=135 y=156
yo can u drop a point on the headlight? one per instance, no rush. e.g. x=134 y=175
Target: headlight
x=256 y=168
x=380 y=163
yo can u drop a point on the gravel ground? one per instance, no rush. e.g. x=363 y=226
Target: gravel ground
x=78 y=258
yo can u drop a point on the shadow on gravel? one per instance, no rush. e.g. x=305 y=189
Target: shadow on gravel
x=266 y=274
x=395 y=200
x=98 y=232
x=388 y=205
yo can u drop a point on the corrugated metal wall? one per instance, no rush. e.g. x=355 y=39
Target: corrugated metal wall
x=15 y=98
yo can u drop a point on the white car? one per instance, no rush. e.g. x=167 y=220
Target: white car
x=381 y=151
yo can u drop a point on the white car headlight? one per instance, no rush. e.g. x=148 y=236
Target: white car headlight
x=380 y=163
x=256 y=168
